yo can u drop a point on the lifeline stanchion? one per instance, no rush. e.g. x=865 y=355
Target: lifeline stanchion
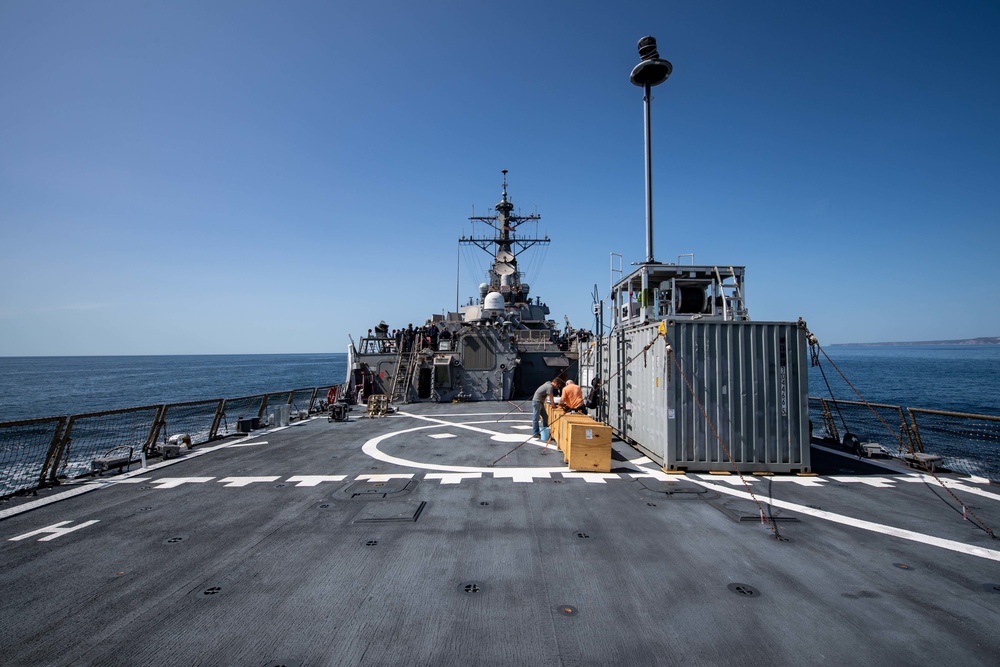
x=814 y=341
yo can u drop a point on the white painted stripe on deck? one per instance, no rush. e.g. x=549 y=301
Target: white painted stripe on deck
x=453 y=477
x=728 y=479
x=441 y=436
x=371 y=449
x=315 y=480
x=657 y=474
x=234 y=482
x=877 y=482
x=523 y=475
x=253 y=443
x=55 y=530
x=973 y=490
x=591 y=477
x=871 y=526
x=384 y=477
x=801 y=481
x=954 y=484
x=42 y=502
x=174 y=482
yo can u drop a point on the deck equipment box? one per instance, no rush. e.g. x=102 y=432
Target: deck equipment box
x=588 y=445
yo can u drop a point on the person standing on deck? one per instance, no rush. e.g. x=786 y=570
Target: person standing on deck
x=544 y=394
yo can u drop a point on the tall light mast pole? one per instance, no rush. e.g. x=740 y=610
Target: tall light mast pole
x=651 y=71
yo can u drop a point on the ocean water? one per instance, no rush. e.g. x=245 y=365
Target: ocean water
x=46 y=386
x=961 y=378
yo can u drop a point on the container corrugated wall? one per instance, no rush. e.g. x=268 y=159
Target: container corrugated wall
x=749 y=379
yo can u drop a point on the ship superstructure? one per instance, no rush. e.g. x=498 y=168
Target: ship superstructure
x=499 y=346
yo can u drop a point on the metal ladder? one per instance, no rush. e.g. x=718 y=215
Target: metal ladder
x=401 y=381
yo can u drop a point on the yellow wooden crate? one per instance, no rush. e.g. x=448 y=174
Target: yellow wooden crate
x=561 y=431
x=588 y=446
x=555 y=415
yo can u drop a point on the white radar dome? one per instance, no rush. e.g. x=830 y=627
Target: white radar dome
x=493 y=303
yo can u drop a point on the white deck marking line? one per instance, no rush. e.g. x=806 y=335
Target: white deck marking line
x=384 y=477
x=801 y=481
x=55 y=530
x=592 y=477
x=253 y=443
x=443 y=422
x=453 y=477
x=501 y=415
x=501 y=437
x=735 y=480
x=956 y=484
x=315 y=480
x=973 y=490
x=234 y=482
x=441 y=436
x=174 y=482
x=877 y=482
x=42 y=502
x=871 y=526
x=522 y=475
x=656 y=474
x=371 y=449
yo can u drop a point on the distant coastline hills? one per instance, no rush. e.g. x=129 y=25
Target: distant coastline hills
x=985 y=340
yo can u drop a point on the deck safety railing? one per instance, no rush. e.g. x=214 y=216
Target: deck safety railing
x=39 y=452
x=967 y=443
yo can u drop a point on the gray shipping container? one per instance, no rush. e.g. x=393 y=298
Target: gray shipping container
x=748 y=393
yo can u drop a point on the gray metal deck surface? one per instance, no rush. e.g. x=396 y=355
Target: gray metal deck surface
x=391 y=541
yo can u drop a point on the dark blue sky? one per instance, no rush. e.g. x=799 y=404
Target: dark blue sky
x=251 y=177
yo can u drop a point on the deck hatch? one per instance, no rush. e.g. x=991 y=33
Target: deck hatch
x=746 y=510
x=368 y=490
x=681 y=488
x=394 y=511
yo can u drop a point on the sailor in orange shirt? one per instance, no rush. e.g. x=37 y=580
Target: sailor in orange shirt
x=571 y=398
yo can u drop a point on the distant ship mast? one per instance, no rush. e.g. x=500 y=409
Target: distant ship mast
x=505 y=247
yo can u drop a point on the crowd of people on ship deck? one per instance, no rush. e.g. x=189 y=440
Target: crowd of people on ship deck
x=408 y=339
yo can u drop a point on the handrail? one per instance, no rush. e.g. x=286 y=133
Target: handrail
x=38 y=452
x=968 y=443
